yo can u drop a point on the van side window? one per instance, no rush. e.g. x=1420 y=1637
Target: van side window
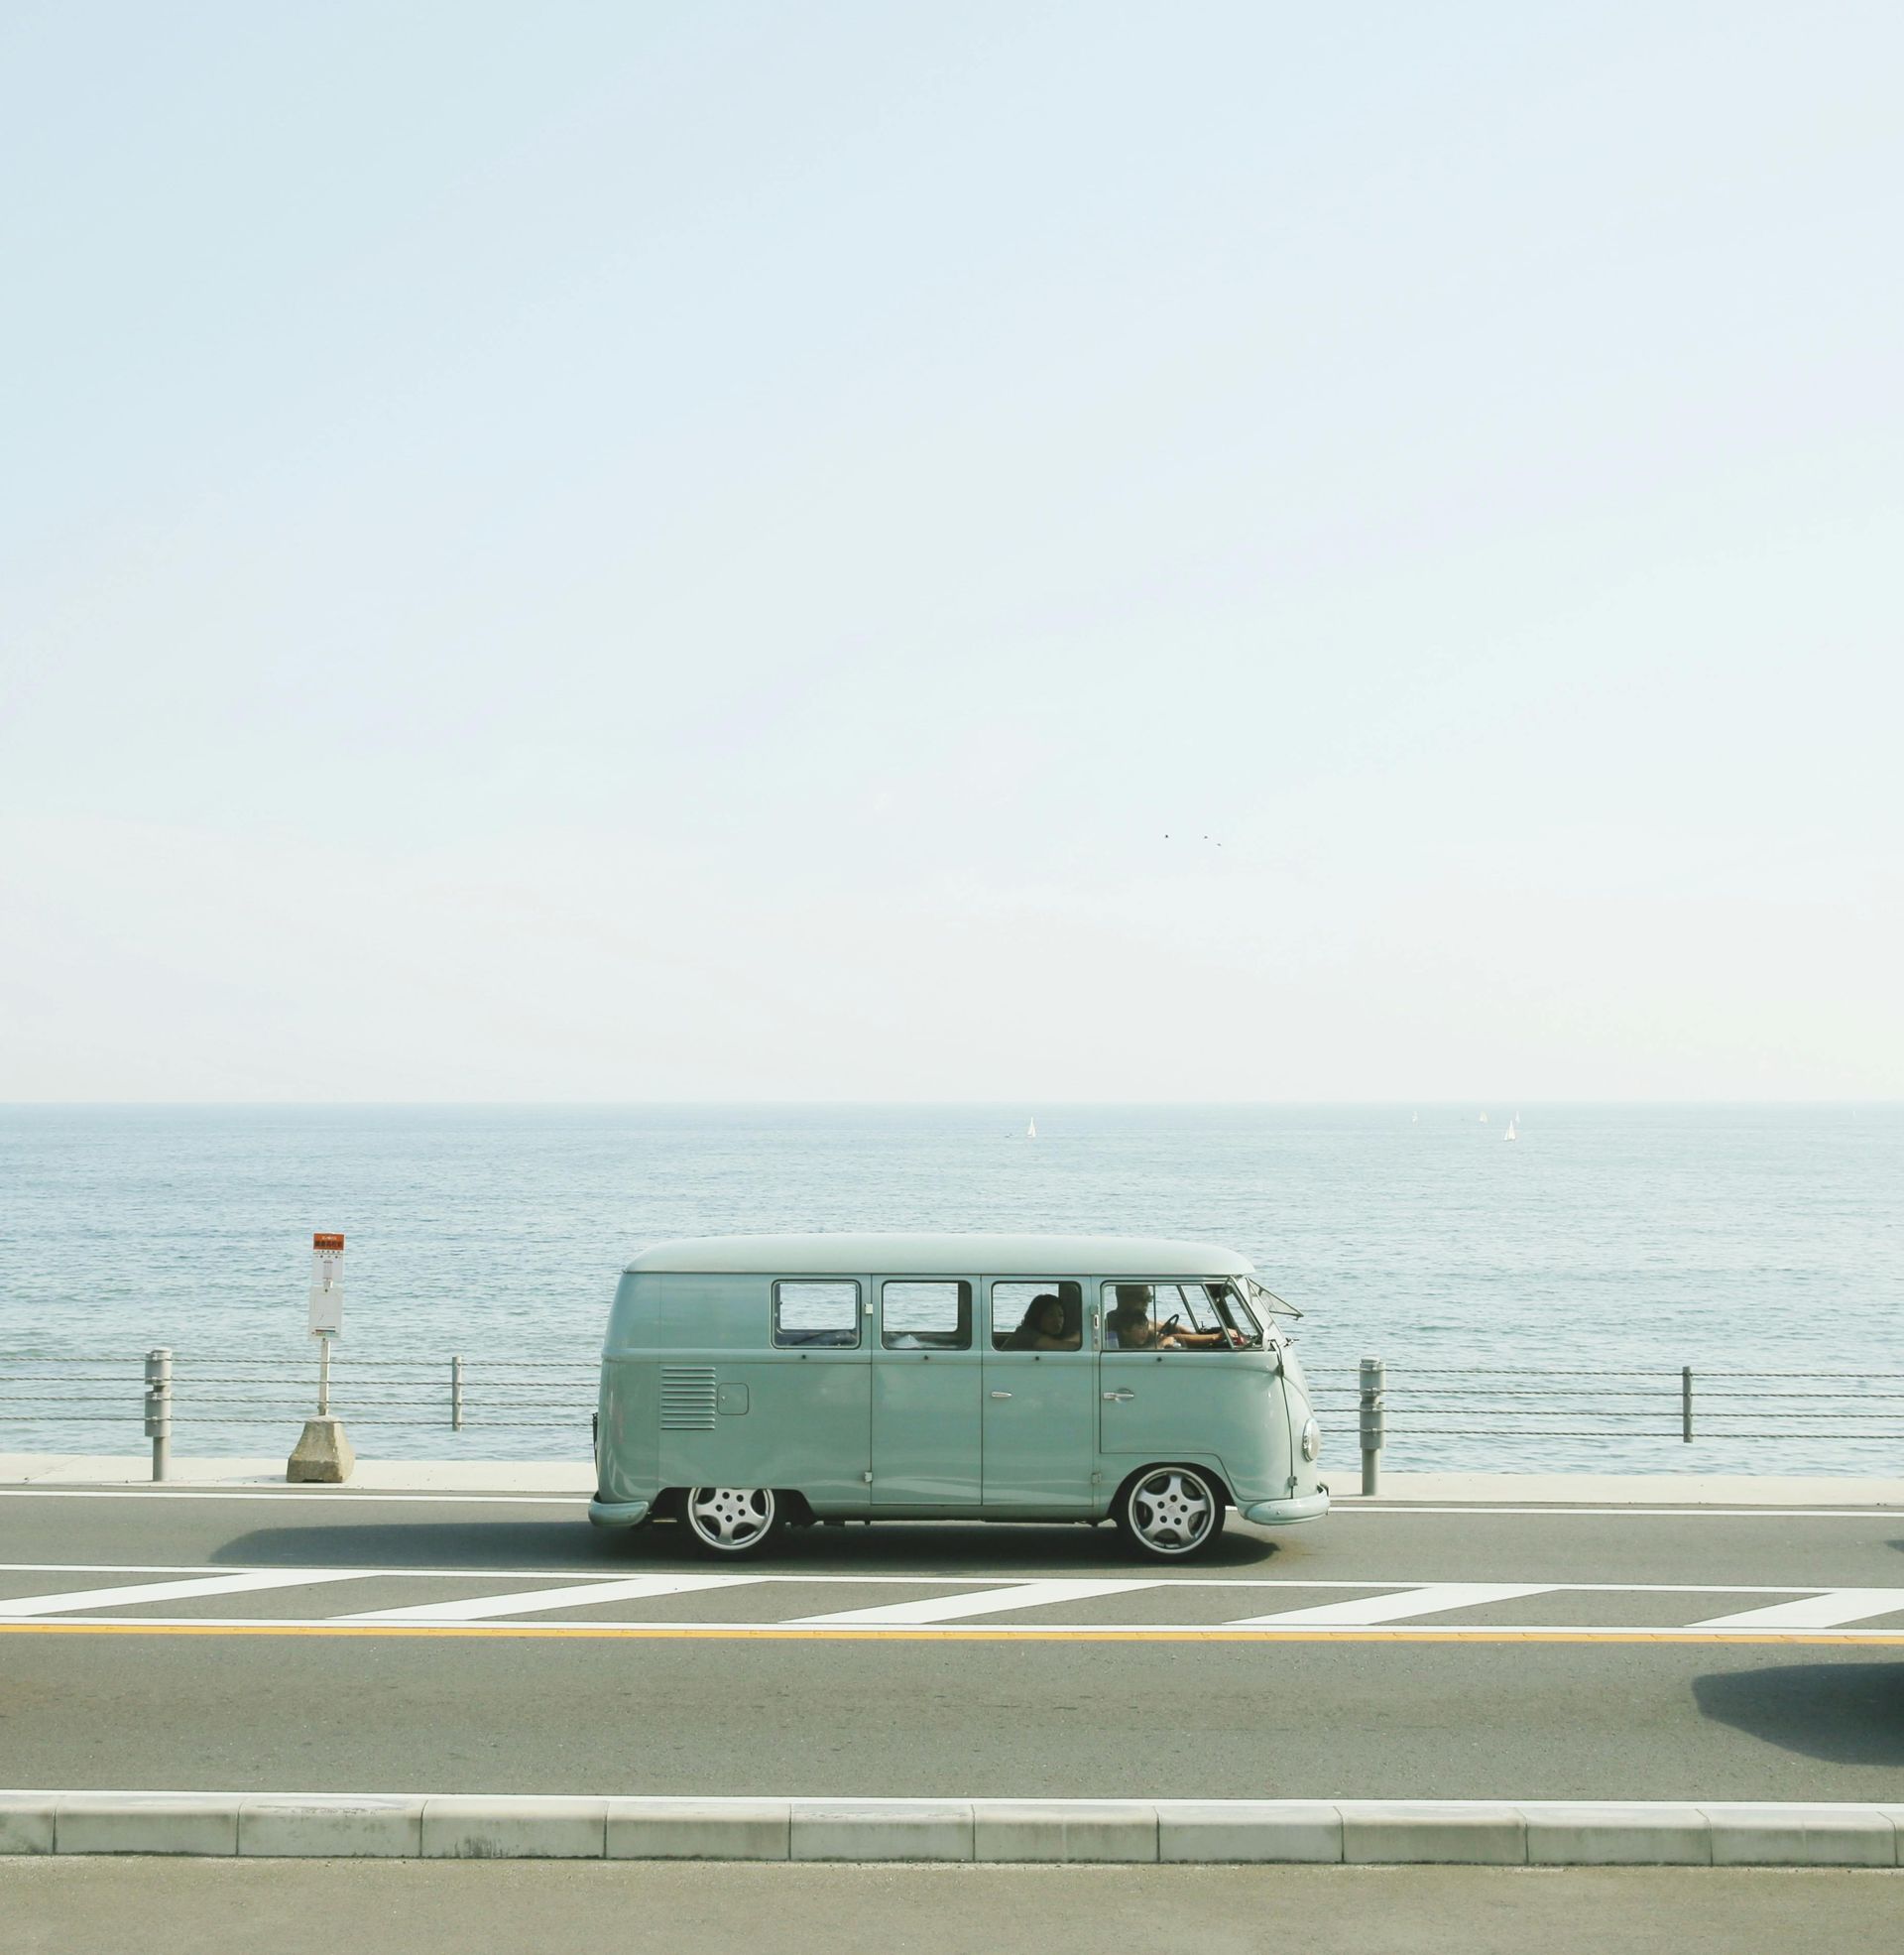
x=925 y=1316
x=818 y=1315
x=1037 y=1316
x=1176 y=1316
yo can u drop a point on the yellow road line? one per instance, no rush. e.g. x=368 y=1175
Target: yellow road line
x=773 y=1634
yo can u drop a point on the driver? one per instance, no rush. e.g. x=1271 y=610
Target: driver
x=1129 y=1323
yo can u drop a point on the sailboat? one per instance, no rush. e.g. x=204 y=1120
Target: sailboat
x=1031 y=1129
x=1483 y=1120
x=1511 y=1134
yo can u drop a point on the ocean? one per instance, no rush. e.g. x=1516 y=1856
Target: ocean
x=1605 y=1246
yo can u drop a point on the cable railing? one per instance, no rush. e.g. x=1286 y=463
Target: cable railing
x=1506 y=1403
x=282 y=1390
x=1438 y=1401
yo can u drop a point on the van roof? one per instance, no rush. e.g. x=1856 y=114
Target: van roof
x=941 y=1256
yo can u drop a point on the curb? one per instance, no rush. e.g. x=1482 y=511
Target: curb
x=1355 y=1832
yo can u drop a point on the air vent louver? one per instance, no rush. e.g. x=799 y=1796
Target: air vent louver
x=687 y=1398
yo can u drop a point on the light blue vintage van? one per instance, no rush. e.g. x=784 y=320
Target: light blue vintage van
x=754 y=1381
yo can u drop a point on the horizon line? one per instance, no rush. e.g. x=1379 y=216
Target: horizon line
x=1022 y=1103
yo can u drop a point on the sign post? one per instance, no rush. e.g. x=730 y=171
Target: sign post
x=323 y=1453
x=326 y=1307
x=159 y=1411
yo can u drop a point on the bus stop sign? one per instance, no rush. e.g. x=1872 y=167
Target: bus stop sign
x=327 y=1285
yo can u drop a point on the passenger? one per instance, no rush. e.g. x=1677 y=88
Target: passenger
x=1045 y=1327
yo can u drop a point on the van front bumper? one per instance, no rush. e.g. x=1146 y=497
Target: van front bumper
x=1285 y=1512
x=617 y=1513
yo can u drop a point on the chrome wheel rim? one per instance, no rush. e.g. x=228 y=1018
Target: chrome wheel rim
x=731 y=1519
x=1171 y=1510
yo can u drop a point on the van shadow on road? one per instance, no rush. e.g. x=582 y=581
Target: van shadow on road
x=892 y=1548
x=1846 y=1713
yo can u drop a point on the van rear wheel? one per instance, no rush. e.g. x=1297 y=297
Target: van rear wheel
x=1170 y=1513
x=730 y=1522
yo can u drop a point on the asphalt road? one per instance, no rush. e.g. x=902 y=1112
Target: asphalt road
x=501 y=1907
x=1463 y=1653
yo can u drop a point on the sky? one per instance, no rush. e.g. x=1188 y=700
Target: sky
x=1003 y=551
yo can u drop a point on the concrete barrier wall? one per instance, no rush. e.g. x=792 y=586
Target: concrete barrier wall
x=1363 y=1832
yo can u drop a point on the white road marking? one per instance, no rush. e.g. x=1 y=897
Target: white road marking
x=472 y=1609
x=1770 y=1511
x=533 y=1803
x=1827 y=1611
x=858 y=1578
x=1776 y=1611
x=86 y=1600
x=943 y=1607
x=317 y=1493
x=796 y=1629
x=867 y=1578
x=1398 y=1607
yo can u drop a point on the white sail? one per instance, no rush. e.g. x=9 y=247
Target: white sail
x=1510 y=1135
x=1031 y=1129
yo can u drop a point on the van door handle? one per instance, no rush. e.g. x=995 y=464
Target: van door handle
x=1119 y=1395
x=1001 y=1394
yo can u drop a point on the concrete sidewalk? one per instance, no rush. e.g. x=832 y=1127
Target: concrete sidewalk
x=578 y=1478
x=523 y=1475
x=1624 y=1489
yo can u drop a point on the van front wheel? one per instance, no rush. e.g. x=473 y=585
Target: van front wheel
x=1170 y=1512
x=730 y=1521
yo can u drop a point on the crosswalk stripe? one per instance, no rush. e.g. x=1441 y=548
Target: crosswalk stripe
x=1827 y=1611
x=986 y=1601
x=1398 y=1607
x=72 y=1601
x=475 y=1608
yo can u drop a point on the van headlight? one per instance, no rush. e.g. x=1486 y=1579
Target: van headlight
x=1311 y=1439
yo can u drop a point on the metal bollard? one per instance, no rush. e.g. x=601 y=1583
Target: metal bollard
x=1686 y=1404
x=159 y=1411
x=1374 y=1424
x=456 y=1394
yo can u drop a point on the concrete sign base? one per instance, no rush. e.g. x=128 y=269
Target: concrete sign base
x=322 y=1455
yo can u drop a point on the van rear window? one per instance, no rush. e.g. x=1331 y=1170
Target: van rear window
x=817 y=1315
x=926 y=1316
